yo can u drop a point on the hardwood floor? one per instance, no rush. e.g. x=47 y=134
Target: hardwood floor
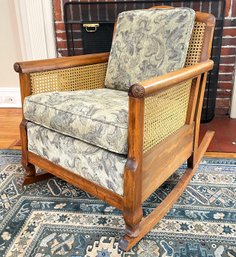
x=9 y=129
x=223 y=144
x=225 y=134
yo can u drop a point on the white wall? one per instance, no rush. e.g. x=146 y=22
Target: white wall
x=233 y=101
x=9 y=44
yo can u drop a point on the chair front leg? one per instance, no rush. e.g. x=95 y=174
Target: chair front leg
x=132 y=221
x=30 y=169
x=133 y=204
x=132 y=213
x=133 y=170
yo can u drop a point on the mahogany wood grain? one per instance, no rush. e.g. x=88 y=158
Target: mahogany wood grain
x=24 y=140
x=209 y=20
x=198 y=118
x=159 y=212
x=132 y=176
x=203 y=146
x=162 y=7
x=30 y=171
x=76 y=180
x=34 y=179
x=60 y=63
x=162 y=161
x=174 y=78
x=25 y=87
x=194 y=92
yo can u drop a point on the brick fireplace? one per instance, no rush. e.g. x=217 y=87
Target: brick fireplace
x=227 y=58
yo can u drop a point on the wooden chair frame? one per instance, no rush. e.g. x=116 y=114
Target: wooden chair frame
x=144 y=172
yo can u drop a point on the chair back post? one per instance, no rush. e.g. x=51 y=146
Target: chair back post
x=25 y=86
x=209 y=20
x=133 y=169
x=200 y=84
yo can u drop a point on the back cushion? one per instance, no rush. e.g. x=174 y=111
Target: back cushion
x=148 y=43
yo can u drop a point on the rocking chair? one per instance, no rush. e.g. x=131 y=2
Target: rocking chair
x=119 y=124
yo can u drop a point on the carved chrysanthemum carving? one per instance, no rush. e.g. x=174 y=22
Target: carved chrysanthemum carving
x=137 y=91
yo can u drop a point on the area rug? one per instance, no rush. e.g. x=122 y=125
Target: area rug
x=53 y=218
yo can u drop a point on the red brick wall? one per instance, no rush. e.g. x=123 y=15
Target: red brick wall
x=227 y=63
x=60 y=27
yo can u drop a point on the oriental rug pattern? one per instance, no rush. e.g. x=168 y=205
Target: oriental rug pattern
x=53 y=218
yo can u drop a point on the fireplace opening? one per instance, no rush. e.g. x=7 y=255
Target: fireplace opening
x=89 y=28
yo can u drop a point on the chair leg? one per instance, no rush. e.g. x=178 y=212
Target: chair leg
x=127 y=242
x=132 y=227
x=30 y=171
x=190 y=162
x=31 y=176
x=132 y=220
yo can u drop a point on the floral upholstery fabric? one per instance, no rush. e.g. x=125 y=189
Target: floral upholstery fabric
x=98 y=116
x=90 y=162
x=148 y=43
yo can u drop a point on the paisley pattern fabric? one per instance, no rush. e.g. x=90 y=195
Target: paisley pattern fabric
x=93 y=163
x=148 y=43
x=98 y=116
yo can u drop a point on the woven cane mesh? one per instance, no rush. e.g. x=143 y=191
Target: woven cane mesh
x=77 y=78
x=164 y=113
x=195 y=45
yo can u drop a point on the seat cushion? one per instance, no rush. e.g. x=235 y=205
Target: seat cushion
x=148 y=43
x=98 y=116
x=92 y=163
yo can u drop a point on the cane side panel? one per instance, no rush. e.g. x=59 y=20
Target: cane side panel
x=76 y=78
x=165 y=112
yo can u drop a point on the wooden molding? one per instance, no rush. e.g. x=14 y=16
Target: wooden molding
x=60 y=63
x=36 y=28
x=76 y=180
x=175 y=77
x=136 y=91
x=163 y=160
x=133 y=168
x=207 y=18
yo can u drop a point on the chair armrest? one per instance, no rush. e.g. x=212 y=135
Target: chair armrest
x=160 y=106
x=153 y=85
x=60 y=63
x=62 y=74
